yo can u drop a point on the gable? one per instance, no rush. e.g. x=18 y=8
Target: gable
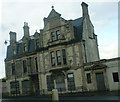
x=53 y=14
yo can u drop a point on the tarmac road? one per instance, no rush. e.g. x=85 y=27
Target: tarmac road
x=110 y=97
x=81 y=98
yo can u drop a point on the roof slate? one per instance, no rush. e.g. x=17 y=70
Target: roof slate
x=78 y=28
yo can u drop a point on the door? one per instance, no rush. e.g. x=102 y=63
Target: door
x=60 y=82
x=100 y=81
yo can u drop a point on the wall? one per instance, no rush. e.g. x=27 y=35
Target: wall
x=112 y=67
x=91 y=46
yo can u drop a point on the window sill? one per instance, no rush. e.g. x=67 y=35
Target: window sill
x=59 y=67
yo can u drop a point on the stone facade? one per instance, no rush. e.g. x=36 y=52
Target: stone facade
x=51 y=58
x=103 y=75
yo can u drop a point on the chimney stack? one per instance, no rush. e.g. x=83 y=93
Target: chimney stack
x=26 y=29
x=12 y=37
x=85 y=9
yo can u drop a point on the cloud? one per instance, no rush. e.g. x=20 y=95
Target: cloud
x=107 y=52
x=33 y=12
x=100 y=24
x=2 y=70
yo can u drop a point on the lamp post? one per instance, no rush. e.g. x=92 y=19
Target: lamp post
x=15 y=83
x=6 y=41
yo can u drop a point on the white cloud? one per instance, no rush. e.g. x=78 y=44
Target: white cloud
x=33 y=12
x=100 y=24
x=2 y=70
x=61 y=1
x=108 y=51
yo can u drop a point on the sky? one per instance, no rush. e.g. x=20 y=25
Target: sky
x=104 y=16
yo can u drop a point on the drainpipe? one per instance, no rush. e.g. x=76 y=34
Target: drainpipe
x=84 y=50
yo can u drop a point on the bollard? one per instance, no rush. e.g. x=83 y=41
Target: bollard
x=55 y=96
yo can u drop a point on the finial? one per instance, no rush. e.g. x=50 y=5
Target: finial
x=52 y=7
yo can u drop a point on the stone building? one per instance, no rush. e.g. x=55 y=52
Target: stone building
x=102 y=75
x=51 y=58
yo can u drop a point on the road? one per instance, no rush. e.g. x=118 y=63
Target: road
x=71 y=98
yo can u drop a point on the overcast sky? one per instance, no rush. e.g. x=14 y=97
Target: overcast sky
x=104 y=16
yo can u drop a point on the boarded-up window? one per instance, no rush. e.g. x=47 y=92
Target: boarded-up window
x=36 y=63
x=24 y=66
x=115 y=77
x=64 y=56
x=13 y=68
x=14 y=87
x=71 y=83
x=88 y=78
x=50 y=83
x=26 y=87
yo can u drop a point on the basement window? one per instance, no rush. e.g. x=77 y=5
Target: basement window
x=115 y=77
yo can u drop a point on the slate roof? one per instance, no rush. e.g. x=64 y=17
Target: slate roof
x=9 y=51
x=19 y=47
x=78 y=27
x=31 y=45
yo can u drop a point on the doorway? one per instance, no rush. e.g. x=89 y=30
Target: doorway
x=60 y=82
x=100 y=81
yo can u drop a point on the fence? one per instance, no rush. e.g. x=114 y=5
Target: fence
x=61 y=91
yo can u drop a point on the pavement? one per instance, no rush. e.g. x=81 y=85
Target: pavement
x=109 y=96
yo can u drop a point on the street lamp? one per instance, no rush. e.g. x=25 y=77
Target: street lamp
x=6 y=41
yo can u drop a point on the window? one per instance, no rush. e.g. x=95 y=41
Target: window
x=26 y=86
x=24 y=47
x=115 y=77
x=13 y=68
x=36 y=63
x=50 y=83
x=64 y=56
x=37 y=43
x=88 y=78
x=14 y=87
x=58 y=57
x=52 y=58
x=30 y=64
x=58 y=35
x=71 y=83
x=24 y=66
x=53 y=36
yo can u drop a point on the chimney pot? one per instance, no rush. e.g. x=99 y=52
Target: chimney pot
x=26 y=29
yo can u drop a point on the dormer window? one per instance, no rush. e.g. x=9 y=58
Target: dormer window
x=58 y=35
x=25 y=47
x=37 y=43
x=53 y=36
